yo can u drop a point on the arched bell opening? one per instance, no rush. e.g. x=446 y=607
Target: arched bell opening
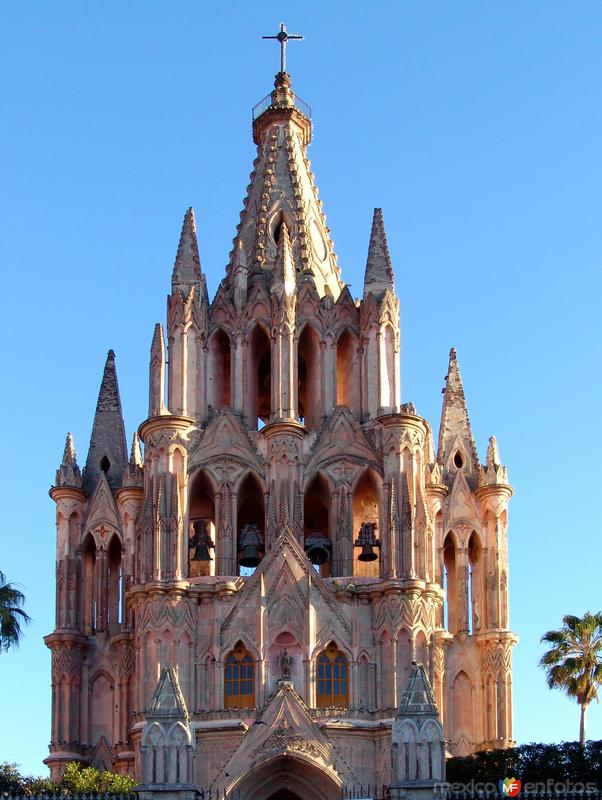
x=475 y=583
x=316 y=518
x=201 y=533
x=219 y=377
x=89 y=593
x=308 y=373
x=250 y=525
x=260 y=378
x=348 y=372
x=114 y=582
x=366 y=505
x=450 y=584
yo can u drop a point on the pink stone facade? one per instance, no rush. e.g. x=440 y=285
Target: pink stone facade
x=275 y=412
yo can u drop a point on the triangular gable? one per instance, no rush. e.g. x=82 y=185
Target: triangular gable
x=461 y=503
x=167 y=702
x=285 y=562
x=102 y=513
x=418 y=698
x=341 y=437
x=285 y=729
x=224 y=439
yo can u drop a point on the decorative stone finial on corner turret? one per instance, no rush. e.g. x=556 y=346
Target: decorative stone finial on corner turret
x=69 y=474
x=133 y=474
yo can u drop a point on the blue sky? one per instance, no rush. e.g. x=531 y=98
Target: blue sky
x=475 y=126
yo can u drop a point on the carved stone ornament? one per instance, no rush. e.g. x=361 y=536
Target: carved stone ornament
x=286 y=740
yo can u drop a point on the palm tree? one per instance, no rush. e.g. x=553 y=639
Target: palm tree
x=574 y=662
x=11 y=614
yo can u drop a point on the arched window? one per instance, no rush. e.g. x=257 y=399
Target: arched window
x=333 y=678
x=239 y=679
x=348 y=373
x=316 y=504
x=89 y=594
x=260 y=378
x=451 y=588
x=219 y=370
x=308 y=371
x=114 y=581
x=475 y=587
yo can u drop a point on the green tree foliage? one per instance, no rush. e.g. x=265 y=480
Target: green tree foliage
x=76 y=779
x=532 y=763
x=574 y=661
x=12 y=615
x=87 y=779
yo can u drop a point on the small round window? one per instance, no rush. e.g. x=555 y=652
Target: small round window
x=458 y=460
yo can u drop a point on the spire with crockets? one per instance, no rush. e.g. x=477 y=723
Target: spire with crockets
x=108 y=449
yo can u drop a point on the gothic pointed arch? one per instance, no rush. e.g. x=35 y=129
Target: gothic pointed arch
x=259 y=377
x=348 y=371
x=366 y=511
x=332 y=678
x=219 y=379
x=239 y=678
x=202 y=522
x=114 y=579
x=450 y=582
x=250 y=515
x=316 y=517
x=309 y=375
x=89 y=588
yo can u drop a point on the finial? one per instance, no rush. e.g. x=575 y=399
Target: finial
x=283 y=36
x=136 y=454
x=69 y=452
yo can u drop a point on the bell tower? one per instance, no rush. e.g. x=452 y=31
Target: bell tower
x=280 y=505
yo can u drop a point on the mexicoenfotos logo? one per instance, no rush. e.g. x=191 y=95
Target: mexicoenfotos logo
x=510 y=787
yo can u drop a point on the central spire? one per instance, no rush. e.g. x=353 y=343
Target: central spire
x=282 y=192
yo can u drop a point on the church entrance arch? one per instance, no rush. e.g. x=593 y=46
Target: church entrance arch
x=288 y=777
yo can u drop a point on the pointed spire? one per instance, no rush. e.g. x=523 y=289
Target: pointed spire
x=494 y=471
x=456 y=444
x=282 y=188
x=187 y=267
x=68 y=474
x=418 y=699
x=136 y=453
x=379 y=270
x=108 y=451
x=168 y=701
x=133 y=473
x=156 y=393
x=493 y=456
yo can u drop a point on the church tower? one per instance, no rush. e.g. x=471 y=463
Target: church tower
x=291 y=543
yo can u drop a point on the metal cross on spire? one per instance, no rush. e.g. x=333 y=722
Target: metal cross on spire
x=283 y=37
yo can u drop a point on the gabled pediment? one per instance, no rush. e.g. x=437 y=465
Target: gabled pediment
x=341 y=437
x=224 y=441
x=285 y=729
x=462 y=504
x=102 y=511
x=285 y=577
x=259 y=305
x=308 y=302
x=345 y=312
x=222 y=310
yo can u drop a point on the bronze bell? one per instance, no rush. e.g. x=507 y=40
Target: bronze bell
x=367 y=541
x=318 y=548
x=200 y=541
x=250 y=545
